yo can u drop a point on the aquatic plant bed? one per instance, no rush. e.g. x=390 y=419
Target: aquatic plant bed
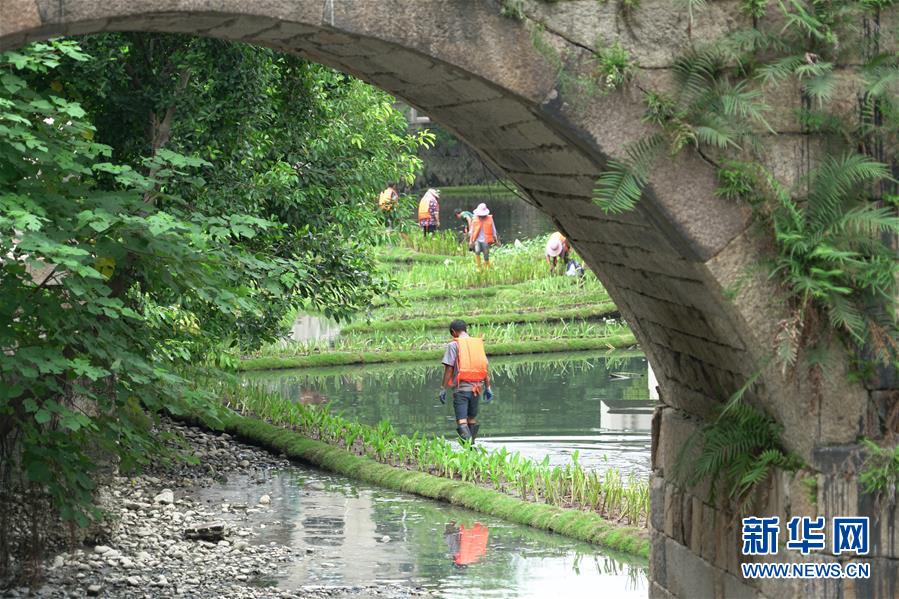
x=622 y=340
x=601 y=509
x=585 y=313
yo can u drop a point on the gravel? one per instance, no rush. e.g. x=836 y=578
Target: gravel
x=154 y=548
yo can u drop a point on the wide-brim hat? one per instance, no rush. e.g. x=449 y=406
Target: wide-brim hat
x=553 y=247
x=482 y=210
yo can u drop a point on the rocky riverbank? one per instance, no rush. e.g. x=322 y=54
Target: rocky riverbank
x=163 y=539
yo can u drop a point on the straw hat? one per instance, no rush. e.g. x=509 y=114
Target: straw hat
x=553 y=247
x=481 y=210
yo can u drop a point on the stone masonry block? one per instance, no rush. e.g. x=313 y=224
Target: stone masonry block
x=574 y=186
x=657 y=503
x=499 y=112
x=657 y=591
x=695 y=576
x=243 y=28
x=696 y=524
x=18 y=15
x=674 y=513
x=657 y=564
x=283 y=32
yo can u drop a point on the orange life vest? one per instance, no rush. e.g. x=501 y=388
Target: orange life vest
x=476 y=224
x=471 y=360
x=424 y=208
x=472 y=544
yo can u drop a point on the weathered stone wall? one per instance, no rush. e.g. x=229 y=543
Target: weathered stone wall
x=669 y=265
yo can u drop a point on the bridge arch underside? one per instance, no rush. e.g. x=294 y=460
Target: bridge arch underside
x=683 y=267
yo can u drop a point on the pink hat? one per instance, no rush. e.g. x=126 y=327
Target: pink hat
x=481 y=210
x=553 y=247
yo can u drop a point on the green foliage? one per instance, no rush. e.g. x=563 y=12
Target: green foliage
x=737 y=181
x=754 y=8
x=614 y=66
x=829 y=237
x=224 y=186
x=880 y=473
x=832 y=255
x=513 y=9
x=95 y=286
x=811 y=487
x=736 y=452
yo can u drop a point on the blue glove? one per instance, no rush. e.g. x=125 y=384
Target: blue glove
x=488 y=395
x=442 y=396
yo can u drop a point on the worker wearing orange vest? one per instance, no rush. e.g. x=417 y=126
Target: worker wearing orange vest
x=465 y=371
x=482 y=234
x=429 y=211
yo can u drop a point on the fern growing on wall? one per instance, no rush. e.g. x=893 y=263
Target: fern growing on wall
x=736 y=451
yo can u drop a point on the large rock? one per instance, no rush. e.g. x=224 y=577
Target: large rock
x=209 y=531
x=165 y=497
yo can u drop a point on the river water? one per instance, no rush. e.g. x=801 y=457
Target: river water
x=514 y=218
x=356 y=534
x=593 y=404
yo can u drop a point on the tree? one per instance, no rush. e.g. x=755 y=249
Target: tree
x=125 y=267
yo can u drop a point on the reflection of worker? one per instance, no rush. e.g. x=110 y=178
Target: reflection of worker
x=556 y=248
x=465 y=370
x=466 y=545
x=429 y=211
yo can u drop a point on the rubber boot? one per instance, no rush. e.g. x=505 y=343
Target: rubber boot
x=474 y=427
x=464 y=433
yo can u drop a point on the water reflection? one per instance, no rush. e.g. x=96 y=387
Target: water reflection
x=466 y=545
x=551 y=406
x=307 y=328
x=514 y=217
x=360 y=535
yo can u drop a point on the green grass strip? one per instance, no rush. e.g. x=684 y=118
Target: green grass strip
x=584 y=526
x=475 y=190
x=355 y=369
x=339 y=358
x=429 y=295
x=408 y=256
x=604 y=309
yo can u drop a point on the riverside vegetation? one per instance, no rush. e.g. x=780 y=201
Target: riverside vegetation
x=516 y=305
x=608 y=494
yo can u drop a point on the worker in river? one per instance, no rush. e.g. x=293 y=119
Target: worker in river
x=556 y=247
x=387 y=203
x=465 y=372
x=466 y=216
x=429 y=211
x=482 y=234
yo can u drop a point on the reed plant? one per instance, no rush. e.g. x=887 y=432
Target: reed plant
x=564 y=486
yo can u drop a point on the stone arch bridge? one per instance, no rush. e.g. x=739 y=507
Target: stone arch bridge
x=682 y=267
